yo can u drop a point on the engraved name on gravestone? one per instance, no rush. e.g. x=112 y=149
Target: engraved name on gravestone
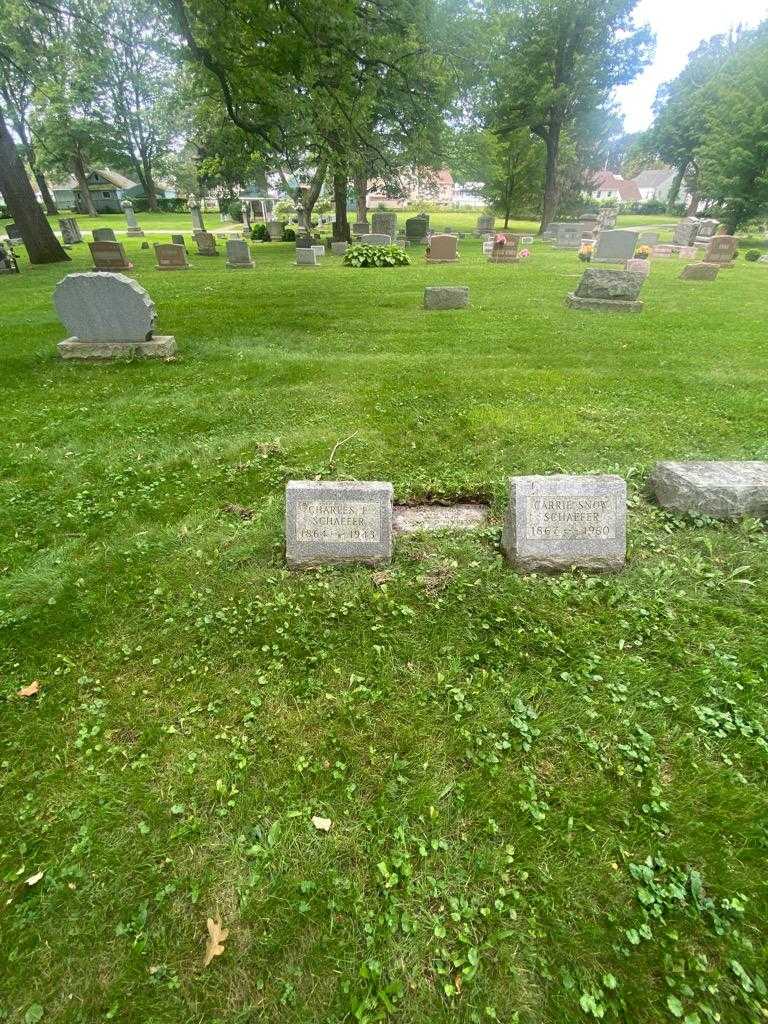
x=555 y=523
x=337 y=521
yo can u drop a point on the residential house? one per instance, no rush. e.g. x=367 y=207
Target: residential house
x=655 y=184
x=608 y=185
x=107 y=189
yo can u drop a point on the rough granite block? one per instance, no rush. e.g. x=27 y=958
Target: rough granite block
x=720 y=490
x=555 y=523
x=335 y=522
x=446 y=298
x=162 y=346
x=699 y=272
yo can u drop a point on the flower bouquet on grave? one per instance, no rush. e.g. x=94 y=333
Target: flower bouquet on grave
x=642 y=252
x=524 y=254
x=585 y=252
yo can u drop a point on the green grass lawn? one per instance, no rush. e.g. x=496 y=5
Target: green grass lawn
x=548 y=795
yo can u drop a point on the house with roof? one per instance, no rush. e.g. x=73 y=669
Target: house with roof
x=107 y=188
x=607 y=185
x=655 y=184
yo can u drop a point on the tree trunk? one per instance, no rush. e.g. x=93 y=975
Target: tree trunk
x=550 y=178
x=361 y=196
x=310 y=196
x=674 y=191
x=693 y=205
x=85 y=196
x=41 y=244
x=341 y=225
x=45 y=192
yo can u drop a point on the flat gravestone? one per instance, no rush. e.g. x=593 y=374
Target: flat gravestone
x=318 y=250
x=109 y=256
x=206 y=243
x=608 y=290
x=568 y=236
x=505 y=249
x=719 y=490
x=333 y=522
x=615 y=246
x=663 y=250
x=639 y=266
x=238 y=254
x=685 y=232
x=171 y=257
x=103 y=235
x=650 y=238
x=555 y=523
x=376 y=239
x=109 y=317
x=384 y=222
x=446 y=297
x=720 y=251
x=306 y=258
x=699 y=272
x=70 y=231
x=442 y=249
x=686 y=252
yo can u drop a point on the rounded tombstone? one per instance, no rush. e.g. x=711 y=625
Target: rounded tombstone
x=104 y=307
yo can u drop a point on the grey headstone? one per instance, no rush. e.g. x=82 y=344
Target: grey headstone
x=360 y=227
x=555 y=523
x=238 y=254
x=685 y=232
x=196 y=214
x=275 y=230
x=70 y=231
x=109 y=256
x=104 y=307
x=707 y=227
x=417 y=228
x=568 y=236
x=485 y=223
x=104 y=235
x=384 y=222
x=615 y=246
x=339 y=248
x=609 y=290
x=206 y=243
x=318 y=250
x=720 y=490
x=699 y=272
x=178 y=240
x=306 y=257
x=134 y=230
x=650 y=238
x=336 y=521
x=446 y=297
x=376 y=239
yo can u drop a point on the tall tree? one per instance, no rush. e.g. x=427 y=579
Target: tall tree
x=559 y=60
x=41 y=244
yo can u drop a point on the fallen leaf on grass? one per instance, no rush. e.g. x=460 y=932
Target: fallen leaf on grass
x=29 y=691
x=322 y=824
x=217 y=936
x=34 y=879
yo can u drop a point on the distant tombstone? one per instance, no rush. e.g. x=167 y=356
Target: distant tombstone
x=103 y=235
x=615 y=246
x=686 y=252
x=337 y=522
x=306 y=257
x=376 y=239
x=763 y=259
x=196 y=214
x=109 y=317
x=206 y=243
x=485 y=223
x=275 y=230
x=14 y=235
x=720 y=251
x=8 y=262
x=339 y=248
x=650 y=238
x=442 y=249
x=318 y=250
x=685 y=232
x=505 y=249
x=360 y=227
x=663 y=250
x=443 y=297
x=416 y=228
x=70 y=231
x=145 y=245
x=170 y=257
x=568 y=236
x=384 y=222
x=719 y=490
x=526 y=240
x=238 y=254
x=109 y=256
x=707 y=228
x=488 y=248
x=639 y=266
x=134 y=231
x=608 y=291
x=556 y=523
x=699 y=272
x=178 y=240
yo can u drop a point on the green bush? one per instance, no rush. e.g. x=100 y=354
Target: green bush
x=289 y=235
x=177 y=205
x=376 y=256
x=235 y=209
x=753 y=255
x=259 y=233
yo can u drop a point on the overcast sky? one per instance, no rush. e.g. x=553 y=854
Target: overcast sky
x=680 y=25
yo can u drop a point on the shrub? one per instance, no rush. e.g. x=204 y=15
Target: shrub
x=259 y=233
x=235 y=209
x=177 y=205
x=289 y=235
x=376 y=256
x=140 y=205
x=753 y=256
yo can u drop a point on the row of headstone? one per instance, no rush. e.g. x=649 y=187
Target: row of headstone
x=552 y=523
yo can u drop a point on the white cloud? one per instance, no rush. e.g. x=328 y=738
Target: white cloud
x=680 y=25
